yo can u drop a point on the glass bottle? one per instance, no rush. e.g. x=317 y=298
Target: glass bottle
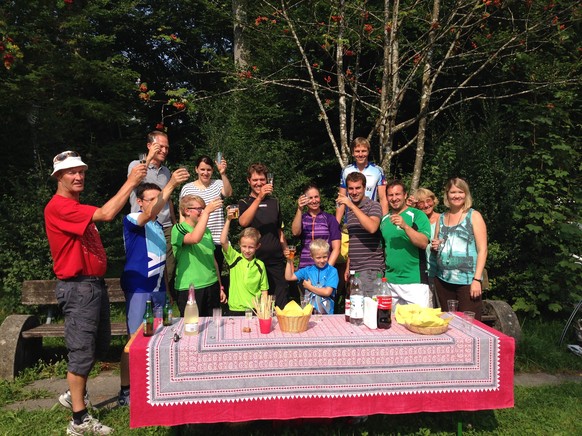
x=168 y=312
x=148 y=320
x=191 y=314
x=356 y=301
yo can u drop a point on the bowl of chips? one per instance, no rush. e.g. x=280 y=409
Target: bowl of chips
x=422 y=320
x=293 y=319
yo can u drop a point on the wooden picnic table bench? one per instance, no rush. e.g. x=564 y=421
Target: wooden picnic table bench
x=21 y=335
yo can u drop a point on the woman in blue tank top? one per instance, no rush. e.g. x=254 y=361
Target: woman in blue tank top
x=461 y=246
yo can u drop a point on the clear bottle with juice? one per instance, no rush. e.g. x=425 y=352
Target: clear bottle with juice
x=191 y=314
x=356 y=301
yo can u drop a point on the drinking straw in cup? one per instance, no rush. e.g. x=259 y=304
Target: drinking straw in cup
x=453 y=305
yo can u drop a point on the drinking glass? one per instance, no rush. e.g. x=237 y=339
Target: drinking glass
x=470 y=318
x=219 y=157
x=249 y=317
x=142 y=157
x=453 y=305
x=235 y=210
x=270 y=178
x=216 y=315
x=292 y=250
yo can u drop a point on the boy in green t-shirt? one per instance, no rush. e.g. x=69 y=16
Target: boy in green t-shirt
x=248 y=275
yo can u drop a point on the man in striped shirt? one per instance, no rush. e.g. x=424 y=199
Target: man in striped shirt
x=365 y=254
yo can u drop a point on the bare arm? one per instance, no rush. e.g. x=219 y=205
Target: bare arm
x=369 y=223
x=289 y=273
x=324 y=292
x=226 y=188
x=110 y=209
x=195 y=236
x=480 y=232
x=335 y=251
x=340 y=208
x=149 y=214
x=296 y=225
x=383 y=199
x=248 y=216
x=224 y=233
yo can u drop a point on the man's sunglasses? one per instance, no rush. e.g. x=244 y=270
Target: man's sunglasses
x=64 y=155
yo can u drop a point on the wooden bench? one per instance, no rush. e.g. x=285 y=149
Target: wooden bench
x=21 y=335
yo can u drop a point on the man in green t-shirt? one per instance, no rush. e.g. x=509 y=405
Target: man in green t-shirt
x=406 y=233
x=248 y=275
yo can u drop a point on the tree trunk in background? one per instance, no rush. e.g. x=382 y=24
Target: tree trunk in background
x=427 y=83
x=241 y=49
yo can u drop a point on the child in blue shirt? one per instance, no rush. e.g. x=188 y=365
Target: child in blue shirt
x=319 y=281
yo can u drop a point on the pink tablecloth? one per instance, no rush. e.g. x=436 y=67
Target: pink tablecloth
x=333 y=369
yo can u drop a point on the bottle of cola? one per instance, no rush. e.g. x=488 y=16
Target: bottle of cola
x=384 y=317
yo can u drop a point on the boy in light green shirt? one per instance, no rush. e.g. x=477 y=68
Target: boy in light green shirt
x=248 y=275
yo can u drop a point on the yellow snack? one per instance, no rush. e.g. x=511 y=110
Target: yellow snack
x=413 y=314
x=292 y=309
x=308 y=309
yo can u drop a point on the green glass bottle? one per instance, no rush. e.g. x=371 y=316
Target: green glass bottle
x=148 y=320
x=168 y=315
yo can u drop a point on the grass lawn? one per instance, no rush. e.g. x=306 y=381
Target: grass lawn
x=546 y=410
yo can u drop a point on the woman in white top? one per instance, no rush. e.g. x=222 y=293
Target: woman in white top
x=426 y=200
x=209 y=189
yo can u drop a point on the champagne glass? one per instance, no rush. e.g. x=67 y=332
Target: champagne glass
x=249 y=317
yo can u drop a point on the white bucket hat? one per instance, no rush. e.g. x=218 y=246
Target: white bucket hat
x=66 y=160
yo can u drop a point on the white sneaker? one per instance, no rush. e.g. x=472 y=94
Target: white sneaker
x=65 y=400
x=89 y=425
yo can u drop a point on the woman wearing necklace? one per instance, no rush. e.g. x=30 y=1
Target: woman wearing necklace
x=426 y=200
x=210 y=189
x=461 y=246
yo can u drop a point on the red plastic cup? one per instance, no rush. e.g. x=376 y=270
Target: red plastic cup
x=265 y=325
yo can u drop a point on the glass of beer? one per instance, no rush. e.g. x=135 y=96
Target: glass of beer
x=292 y=250
x=233 y=210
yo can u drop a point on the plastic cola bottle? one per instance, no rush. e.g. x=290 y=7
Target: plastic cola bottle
x=356 y=301
x=384 y=317
x=191 y=314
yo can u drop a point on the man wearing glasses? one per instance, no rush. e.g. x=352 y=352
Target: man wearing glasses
x=158 y=147
x=79 y=262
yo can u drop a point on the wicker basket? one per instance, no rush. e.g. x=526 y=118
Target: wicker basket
x=293 y=324
x=439 y=330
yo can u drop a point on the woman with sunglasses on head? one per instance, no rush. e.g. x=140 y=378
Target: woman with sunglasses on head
x=426 y=200
x=461 y=246
x=194 y=252
x=210 y=189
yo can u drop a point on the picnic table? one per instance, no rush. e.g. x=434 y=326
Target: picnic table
x=333 y=369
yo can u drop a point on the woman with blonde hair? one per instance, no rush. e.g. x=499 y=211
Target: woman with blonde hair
x=461 y=246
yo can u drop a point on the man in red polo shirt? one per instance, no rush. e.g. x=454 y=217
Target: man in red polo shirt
x=79 y=262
